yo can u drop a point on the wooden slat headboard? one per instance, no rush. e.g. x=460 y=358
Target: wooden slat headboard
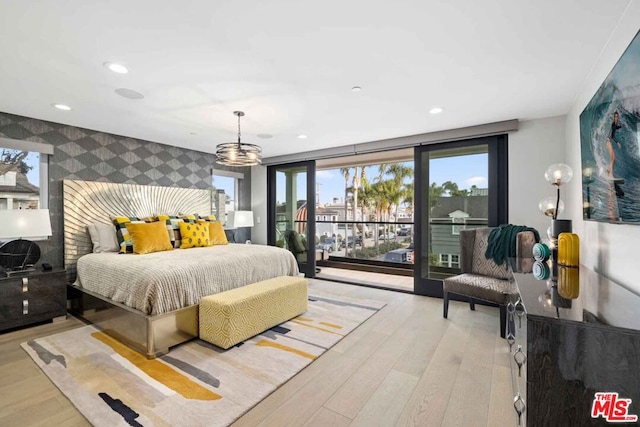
x=89 y=202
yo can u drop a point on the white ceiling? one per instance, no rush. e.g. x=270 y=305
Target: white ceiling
x=290 y=65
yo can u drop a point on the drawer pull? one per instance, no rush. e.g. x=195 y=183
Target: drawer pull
x=520 y=359
x=520 y=312
x=25 y=307
x=511 y=339
x=25 y=284
x=519 y=406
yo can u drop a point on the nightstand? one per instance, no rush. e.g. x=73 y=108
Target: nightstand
x=33 y=297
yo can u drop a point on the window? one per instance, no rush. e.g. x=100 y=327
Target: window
x=455 y=229
x=455 y=261
x=23 y=174
x=444 y=260
x=449 y=260
x=224 y=186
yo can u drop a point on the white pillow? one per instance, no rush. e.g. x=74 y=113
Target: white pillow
x=103 y=237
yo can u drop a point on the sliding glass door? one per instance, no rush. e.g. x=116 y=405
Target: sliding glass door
x=459 y=185
x=291 y=215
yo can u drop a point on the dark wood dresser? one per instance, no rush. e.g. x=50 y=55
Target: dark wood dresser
x=32 y=297
x=569 y=343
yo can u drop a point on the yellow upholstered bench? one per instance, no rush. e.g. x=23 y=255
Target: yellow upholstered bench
x=233 y=316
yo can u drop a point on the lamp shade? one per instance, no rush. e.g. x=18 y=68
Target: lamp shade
x=236 y=219
x=21 y=223
x=548 y=206
x=558 y=174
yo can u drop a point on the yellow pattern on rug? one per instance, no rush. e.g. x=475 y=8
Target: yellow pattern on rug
x=112 y=385
x=314 y=327
x=159 y=371
x=263 y=343
x=331 y=325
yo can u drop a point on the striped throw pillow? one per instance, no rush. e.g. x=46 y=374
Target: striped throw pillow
x=191 y=218
x=124 y=239
x=173 y=228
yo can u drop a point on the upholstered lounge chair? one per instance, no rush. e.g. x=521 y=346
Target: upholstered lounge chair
x=296 y=244
x=481 y=278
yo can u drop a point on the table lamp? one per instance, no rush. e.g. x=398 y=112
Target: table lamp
x=557 y=175
x=18 y=255
x=238 y=219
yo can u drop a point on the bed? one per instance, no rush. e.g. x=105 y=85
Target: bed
x=150 y=301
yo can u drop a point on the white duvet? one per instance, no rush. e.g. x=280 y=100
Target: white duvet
x=164 y=281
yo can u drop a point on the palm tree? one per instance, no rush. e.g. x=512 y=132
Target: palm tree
x=435 y=192
x=382 y=170
x=363 y=205
x=346 y=172
x=407 y=197
x=355 y=186
x=453 y=190
x=381 y=191
x=398 y=172
x=394 y=194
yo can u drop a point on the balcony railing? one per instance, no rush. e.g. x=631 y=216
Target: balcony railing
x=383 y=242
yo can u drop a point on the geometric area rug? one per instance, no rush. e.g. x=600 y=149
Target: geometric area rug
x=196 y=383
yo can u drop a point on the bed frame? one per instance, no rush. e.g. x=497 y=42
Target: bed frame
x=88 y=202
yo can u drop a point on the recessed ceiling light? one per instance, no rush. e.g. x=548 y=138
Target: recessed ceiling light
x=62 y=107
x=356 y=89
x=436 y=110
x=129 y=93
x=116 y=68
x=264 y=135
x=302 y=136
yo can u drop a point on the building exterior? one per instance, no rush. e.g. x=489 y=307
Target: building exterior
x=448 y=217
x=16 y=192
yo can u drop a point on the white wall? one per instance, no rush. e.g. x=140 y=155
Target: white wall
x=259 y=204
x=611 y=249
x=536 y=145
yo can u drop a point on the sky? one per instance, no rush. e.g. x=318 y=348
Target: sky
x=33 y=176
x=225 y=183
x=463 y=170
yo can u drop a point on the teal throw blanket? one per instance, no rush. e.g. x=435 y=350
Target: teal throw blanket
x=502 y=241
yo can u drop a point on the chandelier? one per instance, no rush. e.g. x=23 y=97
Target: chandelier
x=238 y=153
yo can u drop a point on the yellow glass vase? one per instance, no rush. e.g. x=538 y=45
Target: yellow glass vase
x=568 y=250
x=569 y=282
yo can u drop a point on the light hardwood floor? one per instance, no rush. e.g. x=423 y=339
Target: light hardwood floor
x=391 y=281
x=405 y=366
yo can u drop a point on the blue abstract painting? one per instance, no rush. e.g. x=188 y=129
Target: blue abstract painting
x=609 y=140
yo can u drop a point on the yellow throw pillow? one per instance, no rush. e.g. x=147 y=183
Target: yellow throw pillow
x=149 y=237
x=216 y=232
x=210 y=218
x=194 y=235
